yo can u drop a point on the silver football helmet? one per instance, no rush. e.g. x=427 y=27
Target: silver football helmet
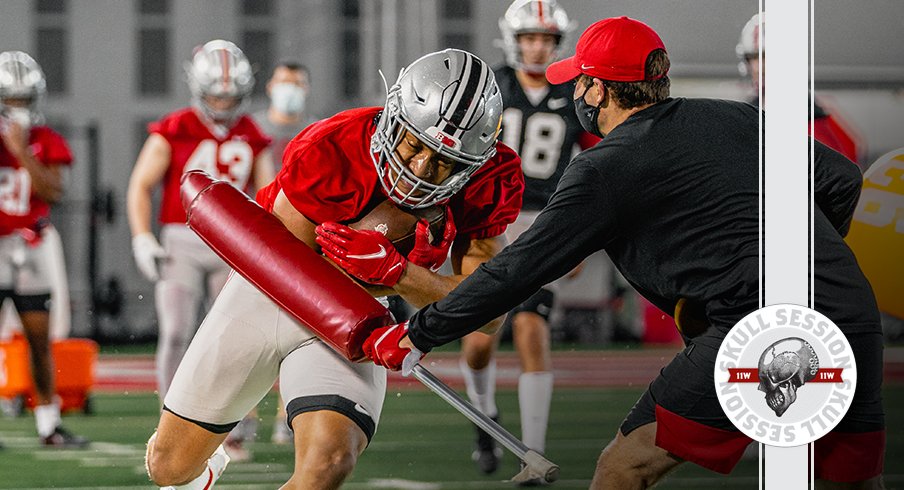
x=219 y=69
x=21 y=78
x=532 y=16
x=750 y=41
x=450 y=101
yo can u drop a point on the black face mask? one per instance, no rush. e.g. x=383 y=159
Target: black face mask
x=588 y=115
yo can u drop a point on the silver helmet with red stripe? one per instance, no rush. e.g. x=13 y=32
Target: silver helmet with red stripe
x=219 y=69
x=750 y=43
x=21 y=79
x=532 y=17
x=450 y=101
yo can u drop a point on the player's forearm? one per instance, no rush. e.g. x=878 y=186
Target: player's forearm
x=420 y=287
x=138 y=204
x=45 y=182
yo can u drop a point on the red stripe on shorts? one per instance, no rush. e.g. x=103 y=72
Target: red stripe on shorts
x=714 y=449
x=849 y=456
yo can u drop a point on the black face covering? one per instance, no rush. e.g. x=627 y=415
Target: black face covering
x=588 y=115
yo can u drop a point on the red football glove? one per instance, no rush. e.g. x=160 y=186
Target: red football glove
x=382 y=347
x=365 y=254
x=426 y=255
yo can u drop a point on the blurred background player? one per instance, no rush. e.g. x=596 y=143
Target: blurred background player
x=827 y=127
x=286 y=115
x=432 y=144
x=32 y=158
x=214 y=135
x=540 y=124
x=288 y=90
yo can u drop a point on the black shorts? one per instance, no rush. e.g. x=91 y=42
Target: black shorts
x=691 y=423
x=26 y=303
x=540 y=303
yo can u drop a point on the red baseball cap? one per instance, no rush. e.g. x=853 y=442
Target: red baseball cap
x=613 y=49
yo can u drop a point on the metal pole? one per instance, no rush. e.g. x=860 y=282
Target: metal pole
x=536 y=466
x=93 y=226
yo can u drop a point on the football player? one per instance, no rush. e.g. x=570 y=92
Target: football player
x=433 y=143
x=826 y=127
x=216 y=136
x=540 y=124
x=32 y=159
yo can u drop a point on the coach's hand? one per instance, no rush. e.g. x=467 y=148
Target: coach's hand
x=389 y=347
x=424 y=253
x=365 y=254
x=147 y=252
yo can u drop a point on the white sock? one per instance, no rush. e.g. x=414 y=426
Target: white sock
x=47 y=418
x=481 y=386
x=215 y=466
x=534 y=397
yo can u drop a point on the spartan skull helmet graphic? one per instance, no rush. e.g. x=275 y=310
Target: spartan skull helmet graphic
x=784 y=367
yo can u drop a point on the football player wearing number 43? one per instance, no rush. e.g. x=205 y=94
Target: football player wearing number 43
x=432 y=144
x=213 y=135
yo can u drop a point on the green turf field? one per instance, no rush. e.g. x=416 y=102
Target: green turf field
x=422 y=444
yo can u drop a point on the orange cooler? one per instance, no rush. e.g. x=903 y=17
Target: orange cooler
x=74 y=361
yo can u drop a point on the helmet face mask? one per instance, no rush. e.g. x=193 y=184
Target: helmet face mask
x=219 y=70
x=532 y=17
x=450 y=102
x=22 y=88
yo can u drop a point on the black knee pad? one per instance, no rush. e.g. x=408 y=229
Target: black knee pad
x=335 y=403
x=540 y=303
x=215 y=428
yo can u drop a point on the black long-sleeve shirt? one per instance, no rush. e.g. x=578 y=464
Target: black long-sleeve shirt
x=672 y=196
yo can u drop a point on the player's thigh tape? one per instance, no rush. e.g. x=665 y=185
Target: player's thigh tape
x=260 y=248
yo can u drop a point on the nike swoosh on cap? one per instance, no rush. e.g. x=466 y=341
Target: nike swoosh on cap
x=375 y=255
x=586 y=67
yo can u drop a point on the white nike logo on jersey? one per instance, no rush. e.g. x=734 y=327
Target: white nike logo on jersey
x=556 y=104
x=375 y=255
x=361 y=409
x=586 y=67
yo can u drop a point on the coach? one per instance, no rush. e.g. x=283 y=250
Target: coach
x=671 y=194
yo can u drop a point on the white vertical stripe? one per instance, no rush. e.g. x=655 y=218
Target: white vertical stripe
x=786 y=73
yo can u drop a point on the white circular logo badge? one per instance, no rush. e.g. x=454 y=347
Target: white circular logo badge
x=785 y=375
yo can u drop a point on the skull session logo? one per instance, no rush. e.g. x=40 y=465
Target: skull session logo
x=785 y=375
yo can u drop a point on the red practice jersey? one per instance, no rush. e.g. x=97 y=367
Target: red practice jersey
x=195 y=146
x=328 y=175
x=20 y=207
x=830 y=131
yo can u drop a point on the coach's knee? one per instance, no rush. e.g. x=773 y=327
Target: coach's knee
x=628 y=463
x=164 y=468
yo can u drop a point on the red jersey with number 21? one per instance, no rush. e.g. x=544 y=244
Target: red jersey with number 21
x=194 y=146
x=20 y=207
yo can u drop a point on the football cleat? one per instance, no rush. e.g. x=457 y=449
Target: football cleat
x=62 y=438
x=487 y=455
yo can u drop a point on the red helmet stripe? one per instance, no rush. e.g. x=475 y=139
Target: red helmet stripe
x=225 y=56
